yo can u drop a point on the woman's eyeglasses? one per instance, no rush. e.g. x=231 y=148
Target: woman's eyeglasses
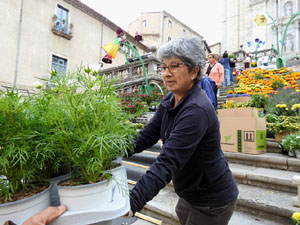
x=173 y=67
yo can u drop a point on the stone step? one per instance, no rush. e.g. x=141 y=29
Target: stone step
x=271 y=159
x=266 y=160
x=274 y=179
x=266 y=207
x=273 y=146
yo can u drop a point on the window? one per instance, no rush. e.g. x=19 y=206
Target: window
x=144 y=23
x=59 y=65
x=170 y=24
x=62 y=19
x=169 y=38
x=184 y=32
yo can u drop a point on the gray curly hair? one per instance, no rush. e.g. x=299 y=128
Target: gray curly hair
x=189 y=50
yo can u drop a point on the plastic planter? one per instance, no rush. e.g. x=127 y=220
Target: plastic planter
x=95 y=203
x=21 y=210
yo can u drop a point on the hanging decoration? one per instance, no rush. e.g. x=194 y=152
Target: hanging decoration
x=257 y=43
x=261 y=20
x=112 y=48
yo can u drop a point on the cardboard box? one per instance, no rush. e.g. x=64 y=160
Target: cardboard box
x=242 y=130
x=239 y=99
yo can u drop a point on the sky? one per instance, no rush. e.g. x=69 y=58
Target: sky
x=204 y=16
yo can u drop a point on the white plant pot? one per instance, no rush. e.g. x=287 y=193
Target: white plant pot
x=21 y=210
x=291 y=153
x=297 y=152
x=94 y=203
x=85 y=197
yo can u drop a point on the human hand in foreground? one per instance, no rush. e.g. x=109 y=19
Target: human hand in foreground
x=129 y=214
x=46 y=216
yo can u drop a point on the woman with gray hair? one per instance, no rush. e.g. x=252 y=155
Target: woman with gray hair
x=191 y=154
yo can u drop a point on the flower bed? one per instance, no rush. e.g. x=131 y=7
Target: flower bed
x=265 y=81
x=280 y=87
x=138 y=104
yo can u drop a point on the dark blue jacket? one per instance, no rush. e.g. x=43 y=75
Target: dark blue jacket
x=208 y=85
x=191 y=155
x=225 y=62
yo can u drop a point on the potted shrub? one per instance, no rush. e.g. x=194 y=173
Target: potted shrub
x=282 y=125
x=23 y=153
x=291 y=143
x=93 y=131
x=57 y=166
x=54 y=17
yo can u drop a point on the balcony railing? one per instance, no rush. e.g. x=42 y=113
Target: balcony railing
x=130 y=76
x=134 y=69
x=61 y=28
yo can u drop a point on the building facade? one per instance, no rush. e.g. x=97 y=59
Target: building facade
x=39 y=36
x=239 y=29
x=158 y=28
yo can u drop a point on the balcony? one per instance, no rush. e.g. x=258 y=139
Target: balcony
x=61 y=28
x=130 y=76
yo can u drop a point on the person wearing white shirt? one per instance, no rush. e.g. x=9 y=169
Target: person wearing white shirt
x=266 y=60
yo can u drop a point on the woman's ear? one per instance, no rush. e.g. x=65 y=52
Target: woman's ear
x=195 y=72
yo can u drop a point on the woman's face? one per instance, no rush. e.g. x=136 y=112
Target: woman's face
x=211 y=59
x=176 y=76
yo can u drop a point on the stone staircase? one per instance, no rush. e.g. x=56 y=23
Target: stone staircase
x=264 y=181
x=223 y=93
x=267 y=193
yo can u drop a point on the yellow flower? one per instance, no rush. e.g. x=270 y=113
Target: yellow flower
x=296 y=216
x=295 y=106
x=281 y=106
x=260 y=20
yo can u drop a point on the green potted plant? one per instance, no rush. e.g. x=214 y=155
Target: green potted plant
x=291 y=143
x=93 y=130
x=54 y=17
x=258 y=101
x=24 y=152
x=282 y=125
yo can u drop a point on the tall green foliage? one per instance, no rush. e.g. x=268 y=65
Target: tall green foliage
x=77 y=122
x=25 y=142
x=91 y=126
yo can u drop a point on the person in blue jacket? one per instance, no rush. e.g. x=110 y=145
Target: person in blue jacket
x=225 y=61
x=191 y=154
x=208 y=85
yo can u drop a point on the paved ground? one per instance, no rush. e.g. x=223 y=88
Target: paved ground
x=127 y=221
x=242 y=218
x=238 y=218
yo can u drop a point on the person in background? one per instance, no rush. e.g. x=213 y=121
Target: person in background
x=214 y=70
x=209 y=86
x=265 y=60
x=232 y=67
x=191 y=154
x=247 y=61
x=225 y=61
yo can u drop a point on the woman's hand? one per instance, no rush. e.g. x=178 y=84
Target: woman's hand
x=46 y=216
x=129 y=214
